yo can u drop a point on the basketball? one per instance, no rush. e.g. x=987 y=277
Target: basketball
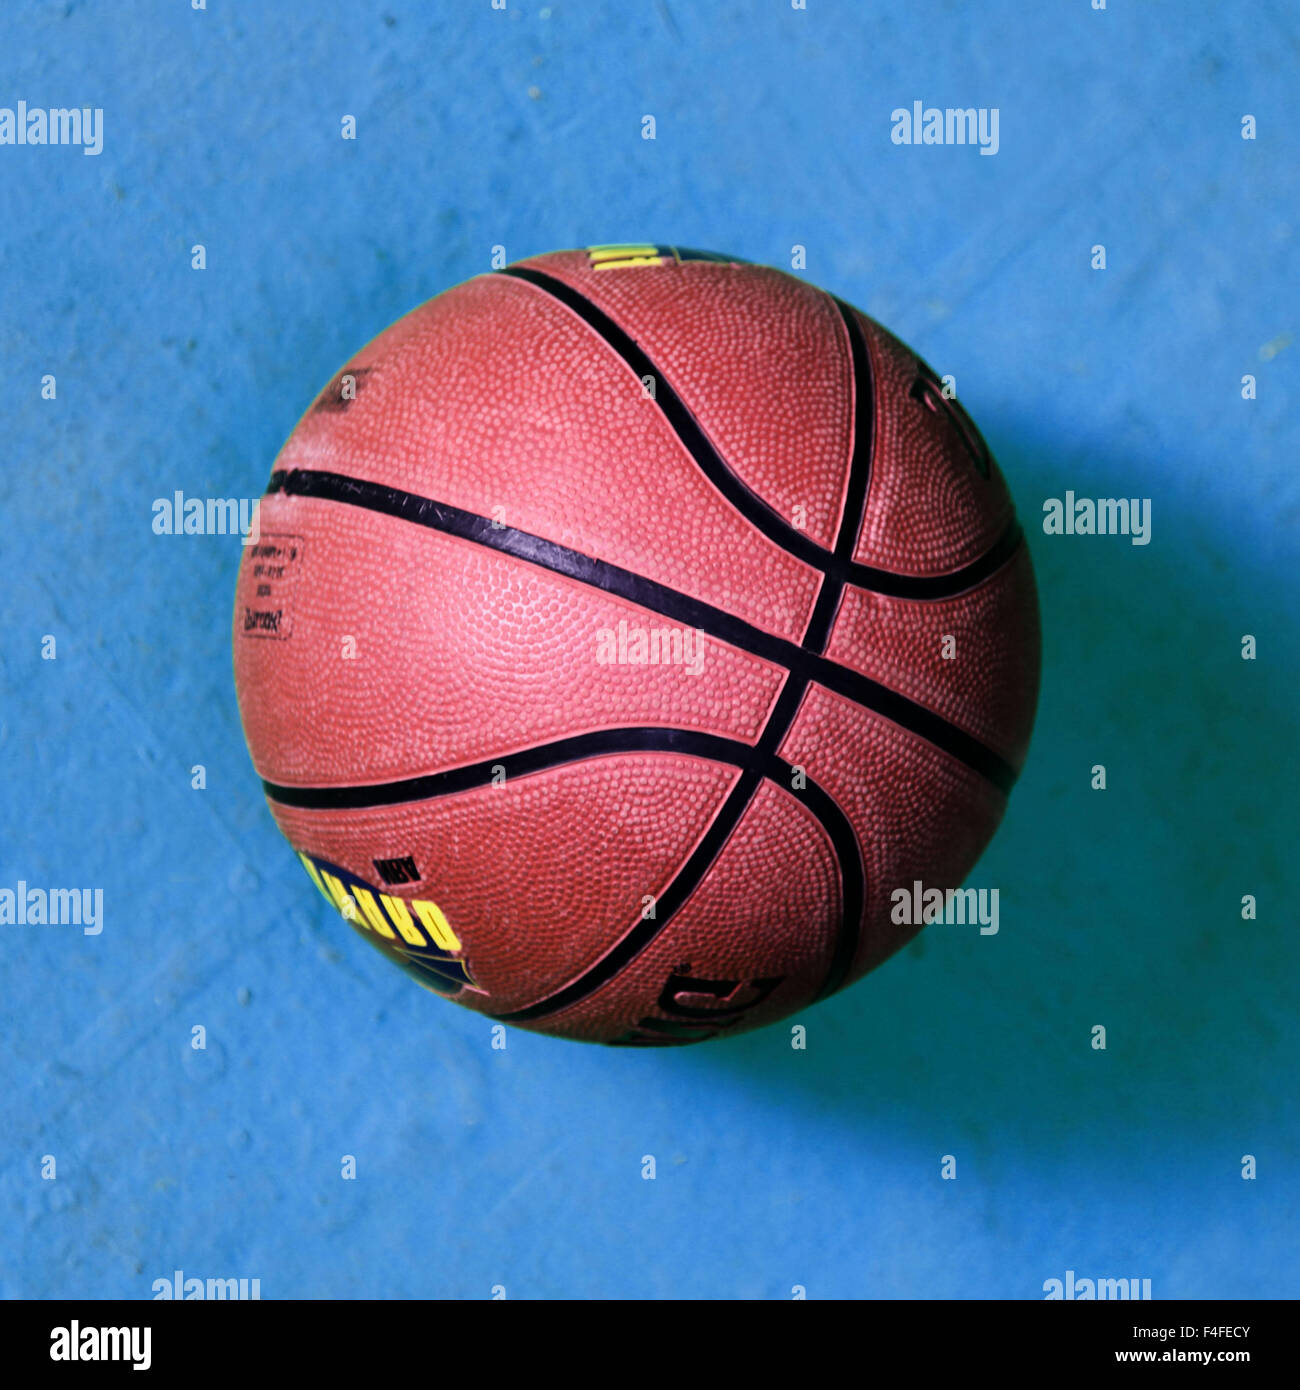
x=623 y=631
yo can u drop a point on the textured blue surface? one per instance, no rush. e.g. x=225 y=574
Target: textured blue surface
x=776 y=1168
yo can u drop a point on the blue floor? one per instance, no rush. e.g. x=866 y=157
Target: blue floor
x=522 y=1169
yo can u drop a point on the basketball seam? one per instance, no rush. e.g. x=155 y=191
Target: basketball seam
x=834 y=561
x=657 y=598
x=757 y=761
x=642 y=739
x=843 y=842
x=803 y=666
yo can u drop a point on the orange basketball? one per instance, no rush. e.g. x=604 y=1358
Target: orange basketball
x=624 y=627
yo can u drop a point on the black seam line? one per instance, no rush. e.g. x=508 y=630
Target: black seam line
x=856 y=485
x=844 y=845
x=837 y=563
x=537 y=758
x=755 y=764
x=684 y=424
x=697 y=865
x=666 y=906
x=649 y=594
x=818 y=632
x=690 y=874
x=932 y=587
x=754 y=767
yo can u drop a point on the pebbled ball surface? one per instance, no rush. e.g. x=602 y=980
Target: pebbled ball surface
x=483 y=529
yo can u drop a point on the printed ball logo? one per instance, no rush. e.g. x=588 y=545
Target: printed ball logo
x=624 y=628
